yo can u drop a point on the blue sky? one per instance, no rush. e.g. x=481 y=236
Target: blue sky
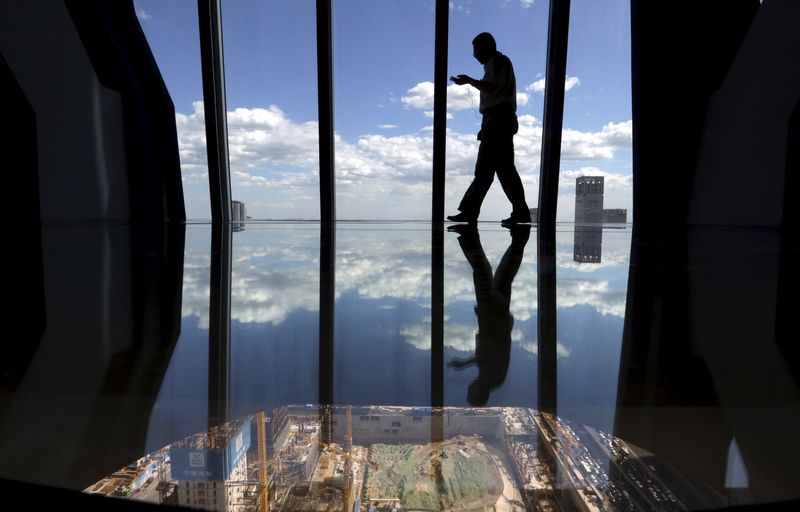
x=383 y=69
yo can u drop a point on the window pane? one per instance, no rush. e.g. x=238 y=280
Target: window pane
x=597 y=134
x=595 y=184
x=591 y=296
x=181 y=408
x=171 y=29
x=383 y=315
x=490 y=328
x=520 y=29
x=271 y=86
x=383 y=88
x=274 y=316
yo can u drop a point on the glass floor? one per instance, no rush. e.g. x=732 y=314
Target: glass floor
x=386 y=366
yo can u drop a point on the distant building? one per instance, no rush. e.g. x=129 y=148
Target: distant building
x=534 y=214
x=589 y=200
x=589 y=193
x=238 y=215
x=590 y=217
x=238 y=212
x=615 y=216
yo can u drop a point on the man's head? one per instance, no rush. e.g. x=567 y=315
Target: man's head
x=483 y=47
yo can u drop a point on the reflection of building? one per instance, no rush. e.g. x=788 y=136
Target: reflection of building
x=534 y=214
x=211 y=469
x=588 y=245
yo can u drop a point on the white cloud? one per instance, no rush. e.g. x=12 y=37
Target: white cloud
x=537 y=86
x=522 y=99
x=459 y=97
x=387 y=126
x=611 y=180
x=268 y=150
x=526 y=3
x=142 y=15
x=420 y=96
x=196 y=178
x=460 y=337
x=460 y=6
x=577 y=145
x=576 y=291
x=533 y=347
x=569 y=83
x=429 y=114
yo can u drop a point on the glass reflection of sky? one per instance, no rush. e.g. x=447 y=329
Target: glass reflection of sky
x=591 y=311
x=382 y=323
x=182 y=404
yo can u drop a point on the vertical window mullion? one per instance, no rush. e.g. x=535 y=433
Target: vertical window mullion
x=214 y=106
x=325 y=107
x=557 y=37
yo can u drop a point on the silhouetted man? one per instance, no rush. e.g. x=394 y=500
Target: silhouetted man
x=493 y=294
x=498 y=89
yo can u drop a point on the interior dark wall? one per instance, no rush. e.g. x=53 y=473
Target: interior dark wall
x=702 y=354
x=123 y=62
x=24 y=286
x=79 y=129
x=82 y=409
x=741 y=164
x=93 y=229
x=681 y=53
x=106 y=138
x=789 y=274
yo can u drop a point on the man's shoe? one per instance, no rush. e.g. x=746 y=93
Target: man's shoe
x=462 y=217
x=516 y=219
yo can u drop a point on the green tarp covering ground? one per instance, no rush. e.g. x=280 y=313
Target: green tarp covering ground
x=408 y=473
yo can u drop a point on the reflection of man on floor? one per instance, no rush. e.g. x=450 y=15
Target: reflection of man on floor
x=493 y=340
x=498 y=89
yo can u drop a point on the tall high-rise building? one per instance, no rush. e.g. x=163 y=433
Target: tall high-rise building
x=238 y=211
x=211 y=469
x=589 y=200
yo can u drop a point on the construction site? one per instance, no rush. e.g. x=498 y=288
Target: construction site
x=457 y=474
x=383 y=458
x=375 y=459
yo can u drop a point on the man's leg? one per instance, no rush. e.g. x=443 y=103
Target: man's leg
x=484 y=175
x=510 y=180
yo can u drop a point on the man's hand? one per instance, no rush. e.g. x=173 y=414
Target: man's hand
x=462 y=79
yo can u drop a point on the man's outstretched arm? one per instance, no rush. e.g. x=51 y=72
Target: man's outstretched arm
x=484 y=86
x=492 y=82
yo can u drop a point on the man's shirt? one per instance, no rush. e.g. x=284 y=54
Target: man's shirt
x=499 y=71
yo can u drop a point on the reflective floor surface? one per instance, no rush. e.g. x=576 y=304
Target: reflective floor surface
x=384 y=366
